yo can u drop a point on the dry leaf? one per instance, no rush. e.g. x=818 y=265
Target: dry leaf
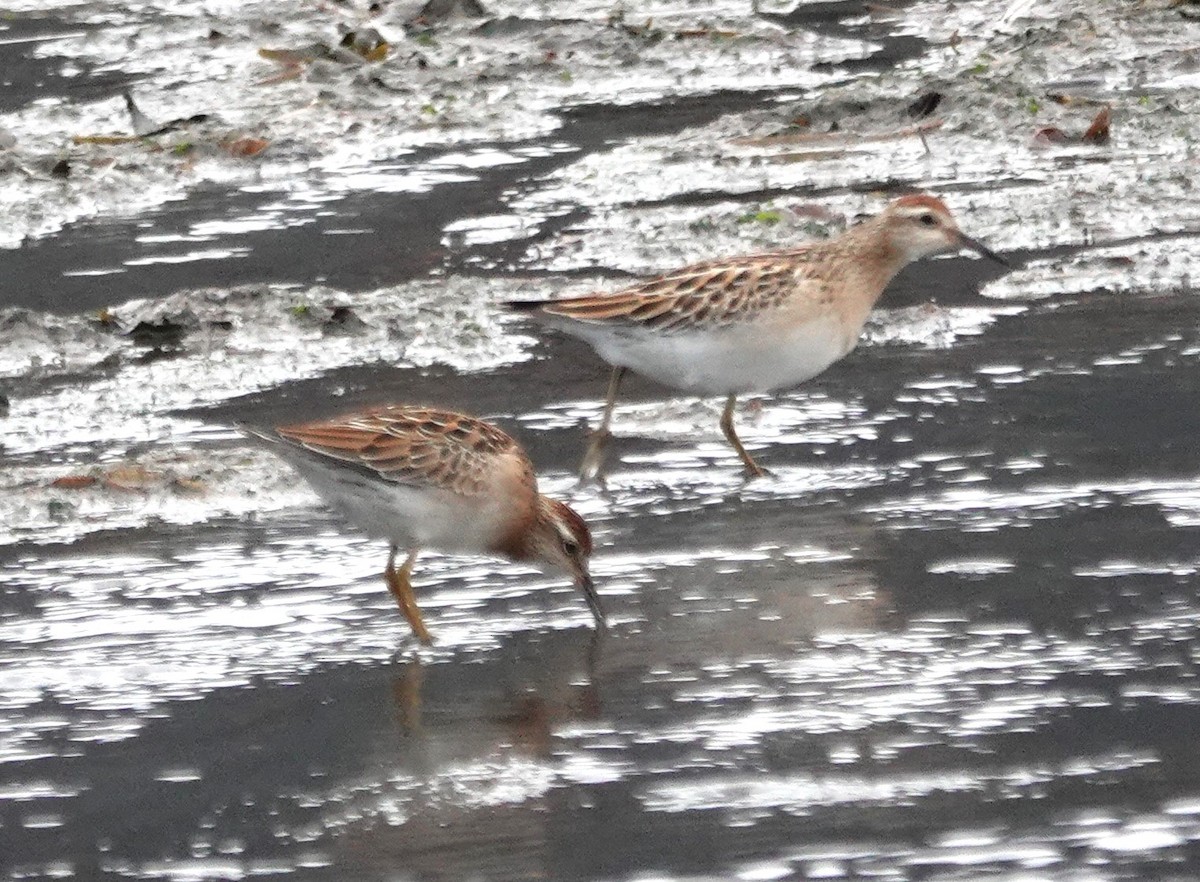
x=73 y=482
x=1050 y=136
x=131 y=477
x=376 y=53
x=106 y=140
x=1098 y=131
x=244 y=147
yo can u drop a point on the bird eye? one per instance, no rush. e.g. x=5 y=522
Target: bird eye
x=571 y=547
x=928 y=220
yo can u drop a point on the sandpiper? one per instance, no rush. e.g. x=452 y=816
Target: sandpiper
x=752 y=323
x=425 y=478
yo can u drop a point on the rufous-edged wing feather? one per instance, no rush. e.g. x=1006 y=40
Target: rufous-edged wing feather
x=714 y=293
x=410 y=445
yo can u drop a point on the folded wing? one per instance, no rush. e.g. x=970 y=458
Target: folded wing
x=411 y=445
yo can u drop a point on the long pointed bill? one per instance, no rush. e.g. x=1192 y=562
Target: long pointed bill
x=975 y=245
x=584 y=583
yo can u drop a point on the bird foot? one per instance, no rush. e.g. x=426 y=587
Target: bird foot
x=593 y=459
x=757 y=471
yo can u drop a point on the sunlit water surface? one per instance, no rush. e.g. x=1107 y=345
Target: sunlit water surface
x=951 y=637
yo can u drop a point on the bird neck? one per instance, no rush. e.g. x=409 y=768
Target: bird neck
x=521 y=540
x=873 y=261
x=880 y=257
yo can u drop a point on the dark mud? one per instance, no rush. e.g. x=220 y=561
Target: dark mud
x=405 y=238
x=30 y=75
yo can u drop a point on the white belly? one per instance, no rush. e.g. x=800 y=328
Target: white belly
x=751 y=358
x=406 y=516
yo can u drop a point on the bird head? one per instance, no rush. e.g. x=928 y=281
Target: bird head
x=921 y=225
x=561 y=539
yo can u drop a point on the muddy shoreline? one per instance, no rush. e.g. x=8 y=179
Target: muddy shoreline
x=954 y=637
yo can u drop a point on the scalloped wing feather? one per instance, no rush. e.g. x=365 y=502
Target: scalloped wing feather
x=413 y=445
x=711 y=294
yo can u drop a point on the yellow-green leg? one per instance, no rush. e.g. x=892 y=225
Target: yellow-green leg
x=400 y=584
x=752 y=468
x=593 y=459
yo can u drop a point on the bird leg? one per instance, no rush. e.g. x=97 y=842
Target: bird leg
x=593 y=459
x=400 y=584
x=752 y=468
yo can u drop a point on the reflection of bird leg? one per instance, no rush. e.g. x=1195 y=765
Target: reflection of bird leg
x=753 y=469
x=534 y=709
x=400 y=584
x=531 y=724
x=593 y=652
x=587 y=702
x=406 y=690
x=593 y=459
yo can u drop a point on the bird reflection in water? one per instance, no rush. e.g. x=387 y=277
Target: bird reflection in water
x=547 y=696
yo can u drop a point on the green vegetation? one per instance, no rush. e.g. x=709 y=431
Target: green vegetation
x=767 y=216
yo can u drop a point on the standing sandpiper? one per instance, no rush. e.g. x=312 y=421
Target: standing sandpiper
x=424 y=478
x=753 y=323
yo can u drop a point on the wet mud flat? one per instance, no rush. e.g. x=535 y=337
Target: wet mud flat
x=953 y=637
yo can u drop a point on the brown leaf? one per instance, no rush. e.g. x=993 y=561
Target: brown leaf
x=73 y=482
x=131 y=477
x=377 y=52
x=1050 y=136
x=1098 y=131
x=246 y=147
x=190 y=485
x=105 y=140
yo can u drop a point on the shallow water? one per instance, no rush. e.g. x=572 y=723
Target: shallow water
x=952 y=637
